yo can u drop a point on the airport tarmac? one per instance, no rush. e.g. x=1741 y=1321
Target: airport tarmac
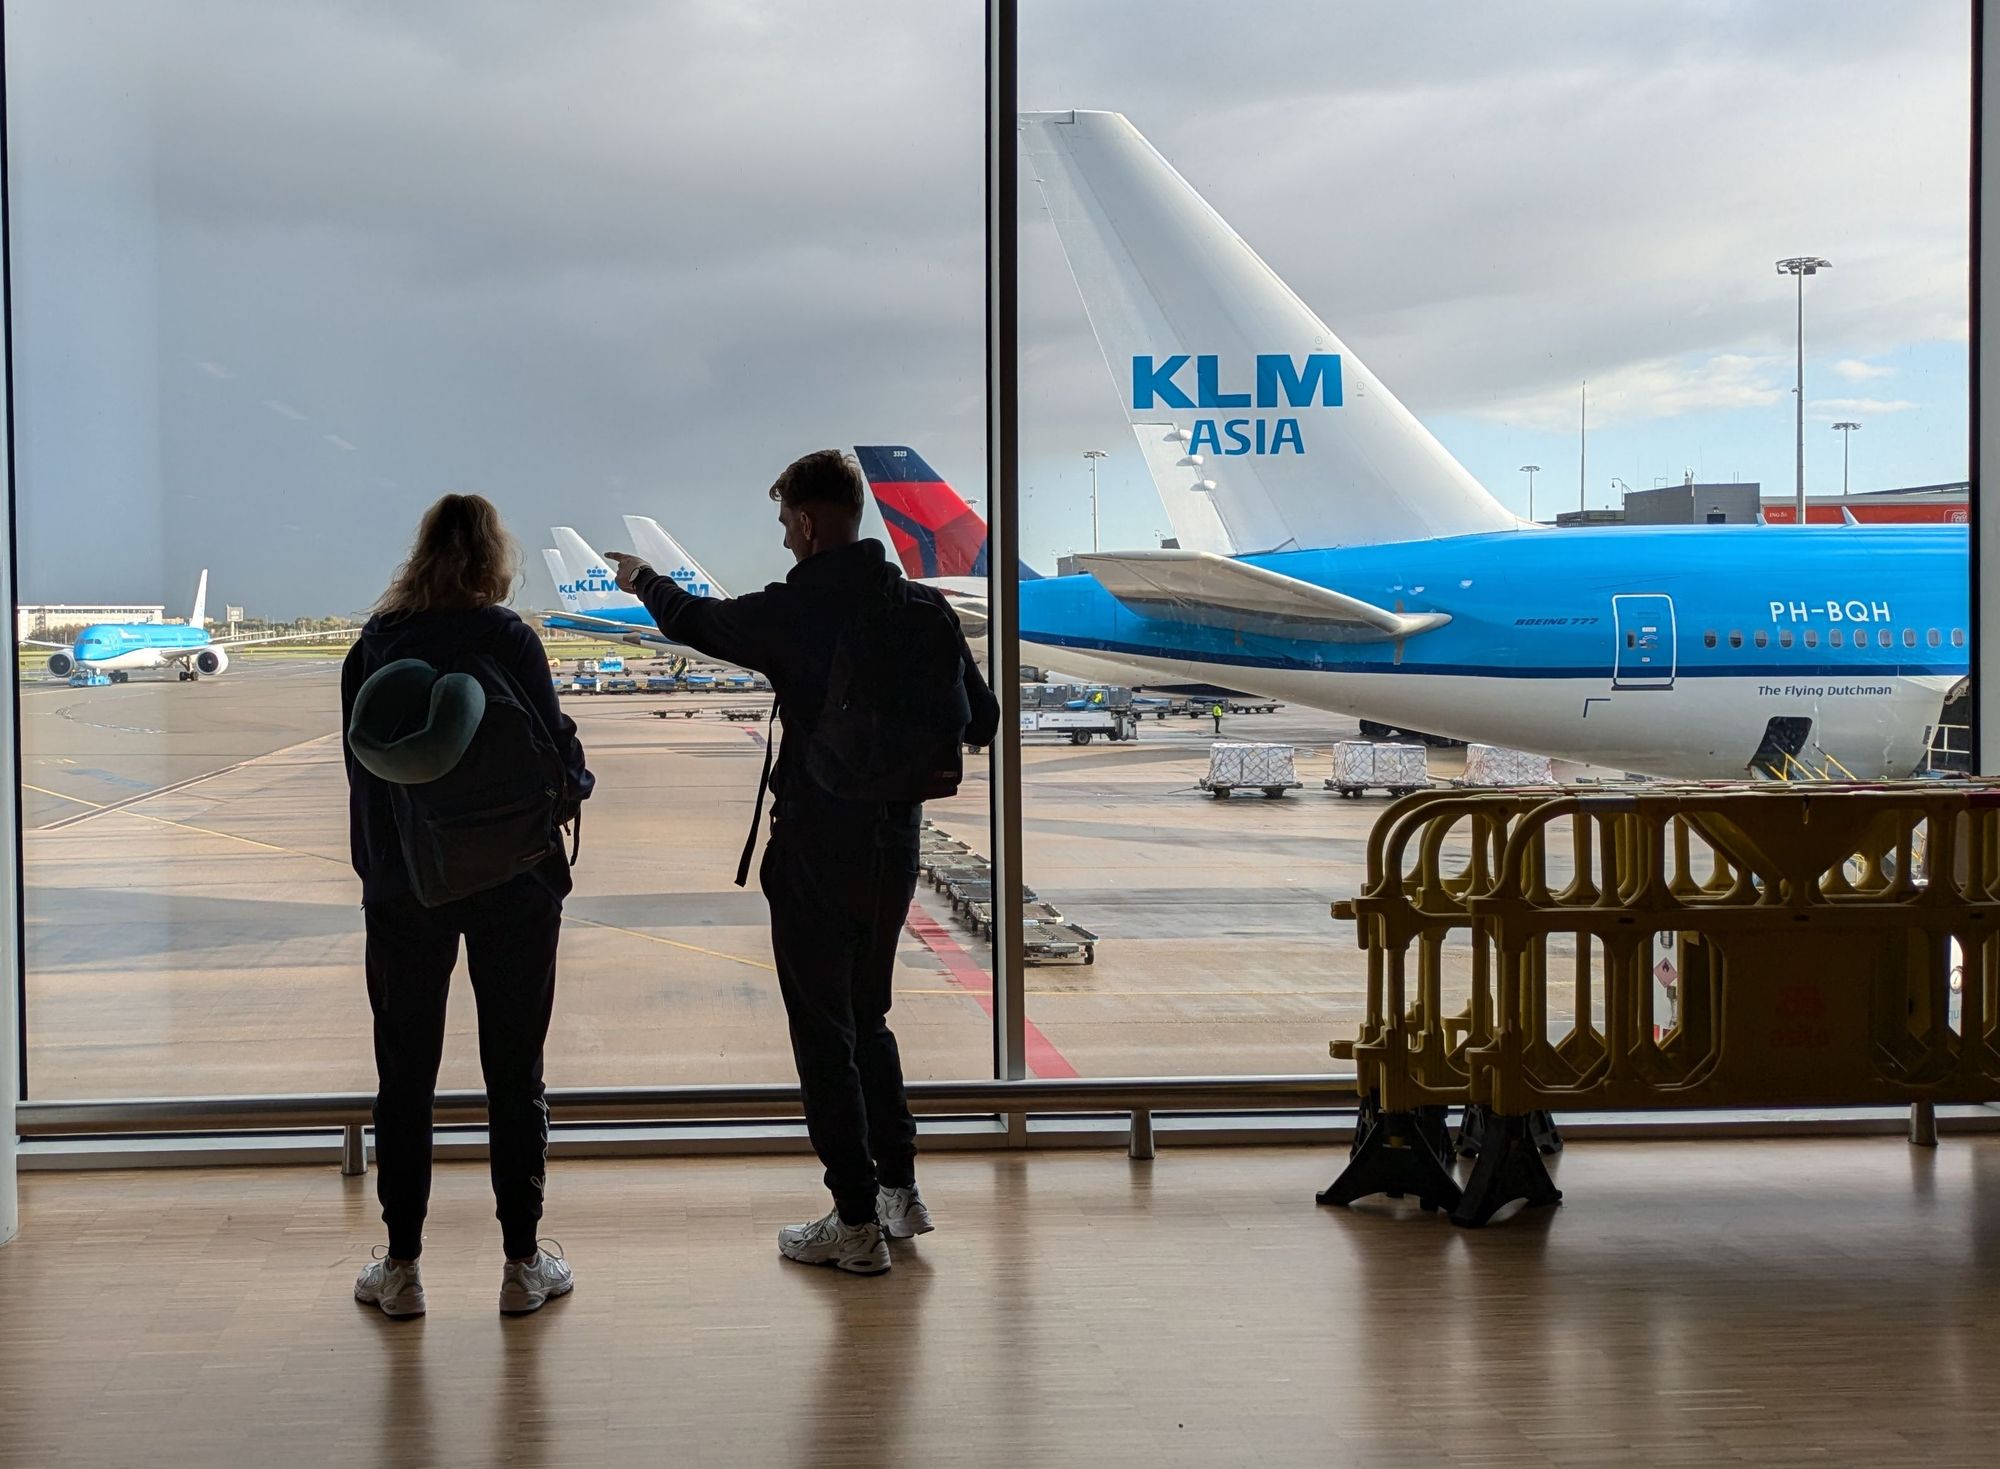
x=193 y=927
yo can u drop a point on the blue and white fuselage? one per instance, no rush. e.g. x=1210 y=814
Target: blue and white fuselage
x=1667 y=651
x=1705 y=651
x=123 y=647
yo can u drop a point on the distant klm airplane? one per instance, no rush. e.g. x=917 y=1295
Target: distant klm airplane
x=589 y=592
x=1334 y=553
x=108 y=652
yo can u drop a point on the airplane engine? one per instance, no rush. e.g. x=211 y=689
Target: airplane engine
x=211 y=660
x=61 y=665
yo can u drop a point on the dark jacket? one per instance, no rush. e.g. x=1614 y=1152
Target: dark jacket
x=787 y=632
x=435 y=637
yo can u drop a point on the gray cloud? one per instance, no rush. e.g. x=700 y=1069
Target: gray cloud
x=632 y=256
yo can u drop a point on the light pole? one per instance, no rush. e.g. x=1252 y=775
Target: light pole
x=1846 y=431
x=1093 y=455
x=1799 y=267
x=1531 y=470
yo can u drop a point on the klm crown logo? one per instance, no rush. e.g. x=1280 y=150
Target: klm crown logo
x=1277 y=380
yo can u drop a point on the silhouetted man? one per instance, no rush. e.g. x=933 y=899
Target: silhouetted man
x=839 y=871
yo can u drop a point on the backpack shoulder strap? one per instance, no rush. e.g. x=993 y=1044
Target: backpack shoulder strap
x=763 y=789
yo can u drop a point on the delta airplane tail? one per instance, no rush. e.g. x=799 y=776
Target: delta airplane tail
x=664 y=554
x=936 y=534
x=1294 y=442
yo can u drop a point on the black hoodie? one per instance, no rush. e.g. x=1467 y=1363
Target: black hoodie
x=787 y=632
x=434 y=637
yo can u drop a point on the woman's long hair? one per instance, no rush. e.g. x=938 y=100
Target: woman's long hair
x=463 y=558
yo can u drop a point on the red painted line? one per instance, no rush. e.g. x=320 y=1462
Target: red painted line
x=1044 y=1060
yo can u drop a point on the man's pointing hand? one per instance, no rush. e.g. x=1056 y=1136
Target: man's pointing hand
x=630 y=568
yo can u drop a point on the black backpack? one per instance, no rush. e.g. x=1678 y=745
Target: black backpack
x=893 y=727
x=496 y=812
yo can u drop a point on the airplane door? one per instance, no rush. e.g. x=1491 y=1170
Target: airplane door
x=1647 y=652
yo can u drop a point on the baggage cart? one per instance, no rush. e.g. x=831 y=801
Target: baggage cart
x=1249 y=767
x=1494 y=765
x=1363 y=765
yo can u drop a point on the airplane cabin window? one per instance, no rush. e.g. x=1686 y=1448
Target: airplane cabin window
x=1958 y=637
x=1708 y=639
x=1735 y=639
x=1932 y=638
x=1631 y=640
x=1784 y=637
x=1763 y=638
x=1835 y=638
x=1812 y=638
x=1882 y=638
x=1909 y=637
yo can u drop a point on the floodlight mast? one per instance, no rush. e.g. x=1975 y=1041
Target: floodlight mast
x=1847 y=437
x=1095 y=455
x=1799 y=267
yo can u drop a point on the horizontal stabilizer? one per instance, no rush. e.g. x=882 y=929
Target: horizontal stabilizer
x=609 y=628
x=1215 y=591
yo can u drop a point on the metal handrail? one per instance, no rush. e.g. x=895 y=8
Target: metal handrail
x=635 y=1105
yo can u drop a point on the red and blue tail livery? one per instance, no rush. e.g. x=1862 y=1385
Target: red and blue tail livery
x=936 y=534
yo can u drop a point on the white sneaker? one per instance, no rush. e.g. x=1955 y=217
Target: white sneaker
x=902 y=1212
x=529 y=1285
x=858 y=1249
x=394 y=1285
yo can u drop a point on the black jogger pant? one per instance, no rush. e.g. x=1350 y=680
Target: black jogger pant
x=510 y=948
x=838 y=900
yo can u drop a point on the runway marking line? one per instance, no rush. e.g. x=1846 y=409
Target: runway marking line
x=176 y=786
x=653 y=938
x=60 y=796
x=1044 y=1060
x=227 y=836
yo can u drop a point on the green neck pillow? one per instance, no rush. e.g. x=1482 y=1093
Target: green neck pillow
x=412 y=724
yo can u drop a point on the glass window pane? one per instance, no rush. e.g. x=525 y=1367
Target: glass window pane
x=283 y=274
x=1338 y=539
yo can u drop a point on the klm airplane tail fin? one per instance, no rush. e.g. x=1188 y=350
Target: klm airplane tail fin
x=935 y=532
x=559 y=574
x=595 y=587
x=199 y=616
x=664 y=554
x=1281 y=428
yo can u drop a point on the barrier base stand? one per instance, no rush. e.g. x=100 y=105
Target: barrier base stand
x=1472 y=1131
x=1542 y=1130
x=1398 y=1153
x=1510 y=1167
x=1436 y=1122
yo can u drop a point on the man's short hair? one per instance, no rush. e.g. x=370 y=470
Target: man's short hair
x=825 y=478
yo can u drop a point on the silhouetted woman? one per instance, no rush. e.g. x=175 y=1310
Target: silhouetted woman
x=443 y=608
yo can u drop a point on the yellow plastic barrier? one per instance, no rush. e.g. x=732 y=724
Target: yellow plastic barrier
x=1810 y=936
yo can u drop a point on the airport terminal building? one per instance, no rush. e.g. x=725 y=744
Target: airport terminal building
x=1403 y=984
x=55 y=621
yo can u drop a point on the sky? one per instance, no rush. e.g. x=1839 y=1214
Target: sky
x=282 y=274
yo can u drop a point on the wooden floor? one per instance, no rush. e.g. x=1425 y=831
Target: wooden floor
x=1827 y=1303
